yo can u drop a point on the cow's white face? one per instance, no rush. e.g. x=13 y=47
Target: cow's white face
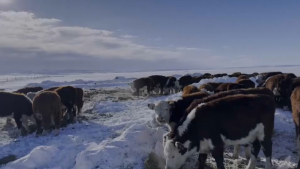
x=162 y=111
x=259 y=78
x=176 y=153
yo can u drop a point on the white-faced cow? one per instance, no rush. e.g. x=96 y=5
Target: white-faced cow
x=170 y=112
x=197 y=102
x=232 y=120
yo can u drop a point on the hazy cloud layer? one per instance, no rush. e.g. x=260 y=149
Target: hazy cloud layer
x=26 y=38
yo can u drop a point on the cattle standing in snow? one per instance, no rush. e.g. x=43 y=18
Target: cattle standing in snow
x=295 y=100
x=189 y=90
x=261 y=90
x=229 y=86
x=232 y=120
x=247 y=83
x=183 y=81
x=25 y=90
x=281 y=85
x=79 y=99
x=19 y=106
x=206 y=88
x=159 y=81
x=143 y=83
x=47 y=110
x=170 y=85
x=170 y=112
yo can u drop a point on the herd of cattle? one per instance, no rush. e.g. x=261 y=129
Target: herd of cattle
x=214 y=115
x=46 y=109
x=203 y=121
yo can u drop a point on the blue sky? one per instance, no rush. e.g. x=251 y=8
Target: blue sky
x=147 y=35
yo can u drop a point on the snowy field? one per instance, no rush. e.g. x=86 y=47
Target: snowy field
x=116 y=130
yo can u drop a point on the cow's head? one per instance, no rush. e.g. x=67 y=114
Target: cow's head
x=283 y=87
x=162 y=111
x=176 y=153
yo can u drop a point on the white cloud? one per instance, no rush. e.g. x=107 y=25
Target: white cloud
x=24 y=31
x=128 y=36
x=25 y=35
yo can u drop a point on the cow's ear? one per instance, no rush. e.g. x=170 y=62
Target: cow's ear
x=180 y=147
x=171 y=104
x=151 y=106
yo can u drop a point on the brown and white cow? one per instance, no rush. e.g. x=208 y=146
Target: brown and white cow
x=170 y=85
x=262 y=77
x=170 y=112
x=232 y=120
x=183 y=81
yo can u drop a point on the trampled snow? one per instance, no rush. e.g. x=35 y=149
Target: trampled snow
x=121 y=136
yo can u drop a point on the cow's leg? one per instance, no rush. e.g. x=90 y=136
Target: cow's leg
x=298 y=166
x=57 y=120
x=247 y=149
x=202 y=160
x=18 y=120
x=236 y=151
x=267 y=149
x=217 y=154
x=254 y=154
x=138 y=92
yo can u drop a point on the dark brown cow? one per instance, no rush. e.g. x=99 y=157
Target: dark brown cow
x=219 y=75
x=206 y=87
x=226 y=121
x=241 y=78
x=68 y=96
x=141 y=83
x=229 y=86
x=214 y=85
x=25 y=90
x=281 y=85
x=235 y=74
x=247 y=83
x=159 y=81
x=19 y=106
x=183 y=81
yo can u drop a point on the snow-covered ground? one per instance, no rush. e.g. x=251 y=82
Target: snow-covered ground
x=115 y=130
